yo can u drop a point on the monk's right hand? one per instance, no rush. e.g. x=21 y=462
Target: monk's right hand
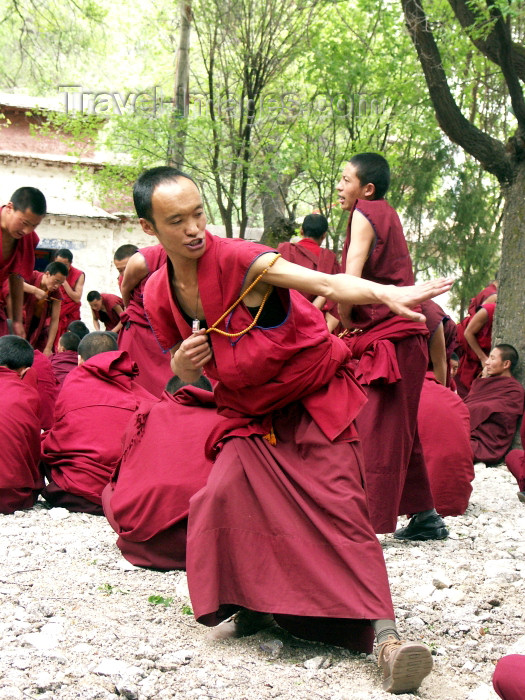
x=192 y=354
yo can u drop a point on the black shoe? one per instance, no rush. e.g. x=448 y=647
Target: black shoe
x=521 y=496
x=430 y=528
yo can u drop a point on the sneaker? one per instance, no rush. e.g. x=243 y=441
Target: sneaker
x=430 y=528
x=404 y=664
x=242 y=624
x=521 y=496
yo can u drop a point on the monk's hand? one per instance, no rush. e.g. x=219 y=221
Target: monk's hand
x=400 y=300
x=193 y=353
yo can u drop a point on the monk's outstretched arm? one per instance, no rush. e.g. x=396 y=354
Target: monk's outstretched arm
x=346 y=289
x=16 y=295
x=475 y=325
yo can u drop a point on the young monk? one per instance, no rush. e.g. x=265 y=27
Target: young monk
x=136 y=335
x=66 y=357
x=78 y=328
x=281 y=526
x=147 y=499
x=92 y=411
x=18 y=240
x=42 y=304
x=392 y=354
x=20 y=478
x=106 y=308
x=70 y=292
x=121 y=259
x=475 y=342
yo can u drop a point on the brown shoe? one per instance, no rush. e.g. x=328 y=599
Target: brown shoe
x=242 y=624
x=404 y=664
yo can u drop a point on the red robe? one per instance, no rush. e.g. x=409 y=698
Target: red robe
x=110 y=318
x=136 y=335
x=62 y=363
x=509 y=677
x=479 y=299
x=37 y=327
x=21 y=262
x=148 y=498
x=444 y=429
x=495 y=405
x=469 y=364
x=393 y=359
x=515 y=460
x=310 y=254
x=20 y=478
x=69 y=310
x=47 y=387
x=278 y=528
x=92 y=411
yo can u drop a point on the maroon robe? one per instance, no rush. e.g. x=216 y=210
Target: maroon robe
x=435 y=315
x=62 y=363
x=310 y=254
x=21 y=262
x=515 y=460
x=444 y=431
x=509 y=677
x=495 y=405
x=278 y=528
x=393 y=359
x=37 y=327
x=480 y=298
x=109 y=318
x=469 y=364
x=148 y=498
x=136 y=335
x=92 y=411
x=47 y=387
x=69 y=310
x=20 y=478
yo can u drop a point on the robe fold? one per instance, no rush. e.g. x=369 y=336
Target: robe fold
x=47 y=387
x=69 y=310
x=81 y=450
x=392 y=359
x=444 y=431
x=62 y=363
x=148 y=498
x=509 y=677
x=495 y=405
x=136 y=335
x=469 y=364
x=308 y=253
x=480 y=298
x=515 y=460
x=110 y=318
x=20 y=477
x=278 y=528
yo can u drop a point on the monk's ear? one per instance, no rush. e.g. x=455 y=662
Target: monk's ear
x=369 y=191
x=148 y=227
x=506 y=364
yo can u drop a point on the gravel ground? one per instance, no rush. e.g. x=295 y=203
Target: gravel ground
x=78 y=621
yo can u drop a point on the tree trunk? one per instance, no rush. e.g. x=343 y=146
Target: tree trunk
x=177 y=138
x=509 y=320
x=278 y=222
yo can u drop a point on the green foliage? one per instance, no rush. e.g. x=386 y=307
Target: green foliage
x=160 y=600
x=186 y=610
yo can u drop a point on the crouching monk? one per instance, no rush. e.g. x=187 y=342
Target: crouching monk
x=147 y=499
x=281 y=530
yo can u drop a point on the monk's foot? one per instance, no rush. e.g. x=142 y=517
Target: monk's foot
x=431 y=527
x=242 y=624
x=521 y=496
x=404 y=664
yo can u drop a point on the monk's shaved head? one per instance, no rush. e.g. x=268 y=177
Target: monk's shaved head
x=79 y=328
x=95 y=343
x=15 y=352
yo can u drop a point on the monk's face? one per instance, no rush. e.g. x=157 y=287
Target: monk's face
x=495 y=365
x=179 y=221
x=53 y=282
x=19 y=223
x=350 y=189
x=64 y=261
x=96 y=304
x=454 y=364
x=121 y=265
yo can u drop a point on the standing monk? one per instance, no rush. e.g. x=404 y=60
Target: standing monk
x=42 y=306
x=70 y=292
x=18 y=221
x=392 y=354
x=282 y=526
x=106 y=308
x=121 y=259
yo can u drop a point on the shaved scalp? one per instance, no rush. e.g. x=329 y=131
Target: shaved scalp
x=15 y=352
x=69 y=341
x=64 y=253
x=372 y=167
x=96 y=343
x=57 y=267
x=508 y=352
x=125 y=251
x=146 y=184
x=79 y=328
x=93 y=296
x=29 y=198
x=176 y=383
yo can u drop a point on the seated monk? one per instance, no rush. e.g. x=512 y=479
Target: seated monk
x=41 y=376
x=20 y=478
x=148 y=498
x=92 y=411
x=444 y=430
x=78 y=328
x=66 y=357
x=475 y=342
x=495 y=403
x=106 y=308
x=515 y=462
